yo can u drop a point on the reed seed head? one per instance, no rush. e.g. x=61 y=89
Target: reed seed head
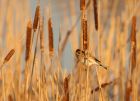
x=36 y=18
x=82 y=5
x=50 y=31
x=28 y=39
x=85 y=35
x=133 y=43
x=8 y=56
x=66 y=88
x=95 y=14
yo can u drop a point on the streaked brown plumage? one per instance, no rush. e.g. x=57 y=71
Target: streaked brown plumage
x=87 y=59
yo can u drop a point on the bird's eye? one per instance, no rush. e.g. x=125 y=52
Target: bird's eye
x=78 y=52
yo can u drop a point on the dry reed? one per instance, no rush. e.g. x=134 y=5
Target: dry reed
x=95 y=14
x=8 y=56
x=28 y=40
x=128 y=90
x=6 y=59
x=133 y=44
x=35 y=26
x=36 y=18
x=105 y=85
x=85 y=34
x=82 y=4
x=133 y=60
x=64 y=43
x=27 y=57
x=42 y=35
x=50 y=33
x=66 y=88
x=10 y=98
x=69 y=32
x=77 y=88
x=34 y=58
x=43 y=69
x=131 y=81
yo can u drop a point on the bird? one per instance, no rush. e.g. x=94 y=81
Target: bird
x=84 y=57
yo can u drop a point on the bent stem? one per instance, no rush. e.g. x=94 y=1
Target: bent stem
x=98 y=80
x=3 y=87
x=87 y=83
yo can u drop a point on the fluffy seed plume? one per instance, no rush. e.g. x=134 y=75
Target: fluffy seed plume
x=36 y=18
x=8 y=56
x=50 y=31
x=28 y=39
x=95 y=14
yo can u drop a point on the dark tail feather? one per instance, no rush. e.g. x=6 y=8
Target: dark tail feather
x=105 y=67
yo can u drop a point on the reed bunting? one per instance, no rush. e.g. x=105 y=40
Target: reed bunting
x=87 y=59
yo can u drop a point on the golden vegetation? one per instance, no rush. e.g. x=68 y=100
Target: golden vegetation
x=33 y=68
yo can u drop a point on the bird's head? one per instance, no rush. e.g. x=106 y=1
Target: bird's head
x=79 y=53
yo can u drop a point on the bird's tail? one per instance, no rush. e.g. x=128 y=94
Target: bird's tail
x=105 y=67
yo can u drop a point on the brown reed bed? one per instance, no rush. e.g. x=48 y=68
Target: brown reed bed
x=82 y=84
